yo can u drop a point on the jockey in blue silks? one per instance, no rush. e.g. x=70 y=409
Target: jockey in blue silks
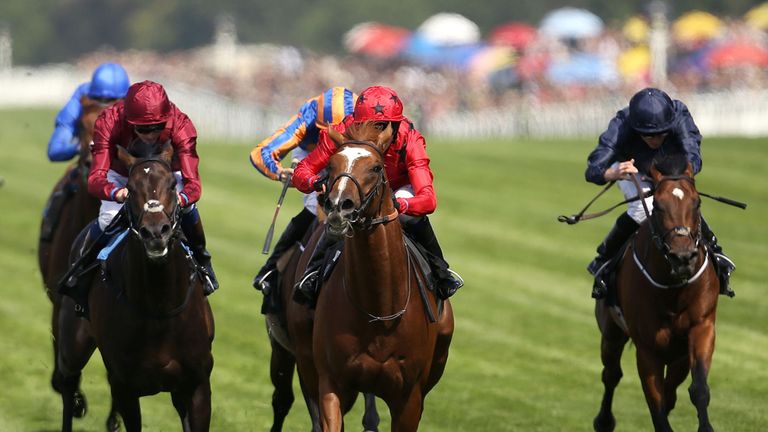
x=652 y=125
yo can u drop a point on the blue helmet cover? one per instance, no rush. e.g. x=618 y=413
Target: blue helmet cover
x=109 y=81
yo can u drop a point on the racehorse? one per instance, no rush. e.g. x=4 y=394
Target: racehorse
x=371 y=331
x=70 y=208
x=284 y=346
x=667 y=291
x=149 y=317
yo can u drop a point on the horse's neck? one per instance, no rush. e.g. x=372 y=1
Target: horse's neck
x=376 y=268
x=154 y=285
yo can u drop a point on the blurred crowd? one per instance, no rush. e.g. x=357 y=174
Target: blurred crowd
x=456 y=71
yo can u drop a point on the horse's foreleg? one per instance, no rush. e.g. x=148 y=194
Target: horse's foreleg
x=442 y=343
x=406 y=413
x=331 y=417
x=181 y=401
x=611 y=348
x=74 y=347
x=650 y=368
x=702 y=341
x=677 y=371
x=199 y=407
x=127 y=405
x=281 y=369
x=370 y=416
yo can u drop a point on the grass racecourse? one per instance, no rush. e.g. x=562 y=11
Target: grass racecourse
x=525 y=354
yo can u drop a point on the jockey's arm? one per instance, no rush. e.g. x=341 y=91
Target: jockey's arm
x=306 y=172
x=424 y=200
x=63 y=144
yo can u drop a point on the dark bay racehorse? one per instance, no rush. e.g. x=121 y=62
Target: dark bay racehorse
x=371 y=331
x=70 y=208
x=149 y=317
x=667 y=290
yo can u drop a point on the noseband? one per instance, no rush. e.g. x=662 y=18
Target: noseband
x=356 y=217
x=151 y=206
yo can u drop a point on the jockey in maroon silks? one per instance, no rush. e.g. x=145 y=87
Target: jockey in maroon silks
x=407 y=166
x=146 y=114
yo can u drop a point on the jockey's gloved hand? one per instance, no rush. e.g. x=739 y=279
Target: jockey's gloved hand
x=396 y=203
x=319 y=183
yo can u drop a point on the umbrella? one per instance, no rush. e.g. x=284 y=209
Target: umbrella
x=758 y=16
x=697 y=26
x=634 y=62
x=737 y=54
x=376 y=39
x=581 y=68
x=489 y=60
x=424 y=51
x=635 y=30
x=515 y=34
x=571 y=22
x=449 y=29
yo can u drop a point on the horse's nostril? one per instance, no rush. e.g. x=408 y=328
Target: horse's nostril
x=145 y=233
x=347 y=204
x=165 y=229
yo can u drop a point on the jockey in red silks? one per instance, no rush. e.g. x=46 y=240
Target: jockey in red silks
x=407 y=168
x=146 y=114
x=298 y=136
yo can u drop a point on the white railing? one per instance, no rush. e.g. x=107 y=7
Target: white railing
x=732 y=113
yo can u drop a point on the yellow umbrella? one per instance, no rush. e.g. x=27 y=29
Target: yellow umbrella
x=758 y=16
x=634 y=62
x=635 y=30
x=696 y=26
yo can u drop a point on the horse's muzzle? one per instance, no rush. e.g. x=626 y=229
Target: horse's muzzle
x=155 y=239
x=683 y=263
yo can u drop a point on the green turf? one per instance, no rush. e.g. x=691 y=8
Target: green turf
x=525 y=351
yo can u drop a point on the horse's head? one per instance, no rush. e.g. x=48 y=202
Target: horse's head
x=357 y=190
x=152 y=206
x=89 y=113
x=676 y=218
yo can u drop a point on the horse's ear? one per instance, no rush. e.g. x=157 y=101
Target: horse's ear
x=688 y=169
x=166 y=152
x=384 y=139
x=125 y=156
x=335 y=135
x=655 y=174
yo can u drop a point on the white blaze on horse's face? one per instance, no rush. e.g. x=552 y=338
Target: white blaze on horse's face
x=678 y=193
x=146 y=170
x=352 y=156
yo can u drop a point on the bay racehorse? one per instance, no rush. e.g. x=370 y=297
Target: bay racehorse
x=70 y=208
x=372 y=332
x=149 y=317
x=284 y=342
x=665 y=302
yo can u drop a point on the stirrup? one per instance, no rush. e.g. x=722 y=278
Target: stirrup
x=457 y=277
x=309 y=278
x=260 y=282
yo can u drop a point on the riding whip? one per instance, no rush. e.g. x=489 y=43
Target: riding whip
x=271 y=232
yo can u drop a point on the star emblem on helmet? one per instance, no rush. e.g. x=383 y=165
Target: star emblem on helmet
x=379 y=108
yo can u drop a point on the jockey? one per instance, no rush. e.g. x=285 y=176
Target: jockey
x=148 y=115
x=653 y=124
x=108 y=84
x=299 y=134
x=407 y=168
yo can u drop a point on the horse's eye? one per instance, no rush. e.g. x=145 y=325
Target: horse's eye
x=377 y=168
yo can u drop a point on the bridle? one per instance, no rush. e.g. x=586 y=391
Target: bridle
x=151 y=206
x=356 y=216
x=659 y=236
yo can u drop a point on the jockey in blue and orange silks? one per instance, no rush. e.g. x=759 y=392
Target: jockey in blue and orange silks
x=407 y=167
x=300 y=135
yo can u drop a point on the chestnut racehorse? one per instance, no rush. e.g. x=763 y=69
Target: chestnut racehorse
x=371 y=331
x=667 y=291
x=74 y=208
x=149 y=317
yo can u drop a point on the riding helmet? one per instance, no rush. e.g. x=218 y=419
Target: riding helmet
x=378 y=103
x=651 y=111
x=109 y=81
x=147 y=103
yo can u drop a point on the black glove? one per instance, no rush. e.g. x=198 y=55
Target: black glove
x=396 y=203
x=321 y=180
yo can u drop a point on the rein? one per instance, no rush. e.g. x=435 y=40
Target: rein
x=580 y=216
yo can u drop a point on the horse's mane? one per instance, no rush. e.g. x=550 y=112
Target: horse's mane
x=365 y=131
x=671 y=165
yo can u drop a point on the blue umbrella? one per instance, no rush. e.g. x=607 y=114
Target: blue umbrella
x=421 y=50
x=582 y=68
x=572 y=23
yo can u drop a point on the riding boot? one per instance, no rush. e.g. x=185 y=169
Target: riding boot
x=446 y=284
x=309 y=285
x=723 y=265
x=624 y=228
x=193 y=231
x=266 y=279
x=78 y=284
